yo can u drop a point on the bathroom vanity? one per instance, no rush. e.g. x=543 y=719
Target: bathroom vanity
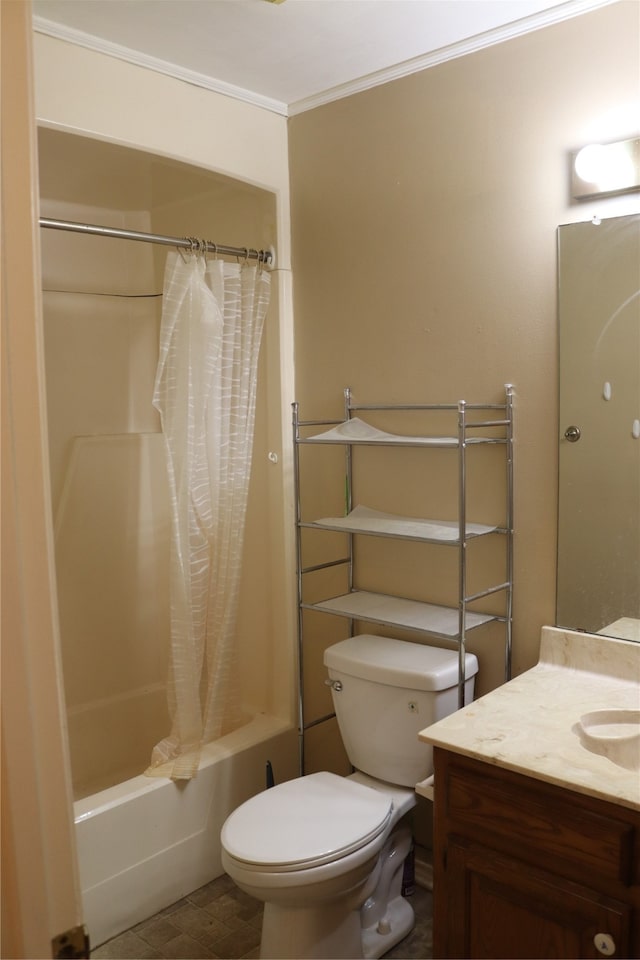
x=537 y=821
x=526 y=869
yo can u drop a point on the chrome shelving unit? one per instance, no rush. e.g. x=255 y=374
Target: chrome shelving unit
x=452 y=624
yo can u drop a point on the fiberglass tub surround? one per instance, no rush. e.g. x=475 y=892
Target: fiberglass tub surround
x=111 y=516
x=102 y=312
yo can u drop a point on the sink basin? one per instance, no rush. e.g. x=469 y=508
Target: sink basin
x=614 y=734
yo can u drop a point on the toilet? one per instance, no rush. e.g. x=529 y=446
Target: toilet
x=326 y=853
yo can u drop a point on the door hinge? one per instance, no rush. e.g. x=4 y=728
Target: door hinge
x=73 y=944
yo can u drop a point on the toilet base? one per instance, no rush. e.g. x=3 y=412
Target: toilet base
x=386 y=916
x=399 y=921
x=365 y=922
x=307 y=933
x=302 y=933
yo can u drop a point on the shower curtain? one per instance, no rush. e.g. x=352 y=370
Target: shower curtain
x=205 y=391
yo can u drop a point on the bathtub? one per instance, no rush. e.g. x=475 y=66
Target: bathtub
x=148 y=841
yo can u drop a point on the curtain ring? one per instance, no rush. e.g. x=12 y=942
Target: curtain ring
x=192 y=242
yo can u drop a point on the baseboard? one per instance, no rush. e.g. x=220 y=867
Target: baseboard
x=423 y=869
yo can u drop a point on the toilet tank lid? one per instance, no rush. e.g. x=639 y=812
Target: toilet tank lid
x=398 y=663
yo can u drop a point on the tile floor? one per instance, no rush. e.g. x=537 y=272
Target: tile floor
x=220 y=922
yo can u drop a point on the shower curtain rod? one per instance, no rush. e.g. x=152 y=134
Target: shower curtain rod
x=262 y=256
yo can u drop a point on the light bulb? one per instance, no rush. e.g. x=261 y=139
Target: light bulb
x=608 y=167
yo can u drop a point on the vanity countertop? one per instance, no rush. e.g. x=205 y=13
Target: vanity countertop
x=530 y=724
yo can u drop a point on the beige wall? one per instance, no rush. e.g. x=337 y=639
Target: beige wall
x=424 y=216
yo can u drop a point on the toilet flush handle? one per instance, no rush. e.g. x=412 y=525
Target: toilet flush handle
x=334 y=684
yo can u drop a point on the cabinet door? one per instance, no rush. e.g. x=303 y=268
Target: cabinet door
x=498 y=907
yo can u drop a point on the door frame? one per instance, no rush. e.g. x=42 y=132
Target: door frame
x=40 y=887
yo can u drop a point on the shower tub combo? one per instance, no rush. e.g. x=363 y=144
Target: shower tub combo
x=143 y=842
x=147 y=842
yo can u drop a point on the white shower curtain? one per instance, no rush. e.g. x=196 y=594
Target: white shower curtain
x=205 y=391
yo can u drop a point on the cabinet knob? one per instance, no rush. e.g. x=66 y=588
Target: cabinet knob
x=605 y=944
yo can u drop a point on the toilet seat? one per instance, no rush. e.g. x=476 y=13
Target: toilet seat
x=304 y=823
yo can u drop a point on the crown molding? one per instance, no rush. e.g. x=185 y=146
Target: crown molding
x=90 y=42
x=565 y=11
x=546 y=18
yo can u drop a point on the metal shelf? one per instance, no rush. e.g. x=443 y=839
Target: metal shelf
x=374 y=523
x=429 y=618
x=450 y=624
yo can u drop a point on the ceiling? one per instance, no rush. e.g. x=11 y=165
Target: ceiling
x=293 y=55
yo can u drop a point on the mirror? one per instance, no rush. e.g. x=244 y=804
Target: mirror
x=599 y=438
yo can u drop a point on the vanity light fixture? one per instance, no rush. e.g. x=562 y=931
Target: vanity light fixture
x=605 y=169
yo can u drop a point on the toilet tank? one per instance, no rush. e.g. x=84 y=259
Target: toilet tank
x=384 y=692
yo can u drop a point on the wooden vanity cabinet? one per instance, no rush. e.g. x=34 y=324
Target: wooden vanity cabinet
x=524 y=868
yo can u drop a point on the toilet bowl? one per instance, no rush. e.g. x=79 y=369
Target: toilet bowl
x=326 y=853
x=331 y=844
